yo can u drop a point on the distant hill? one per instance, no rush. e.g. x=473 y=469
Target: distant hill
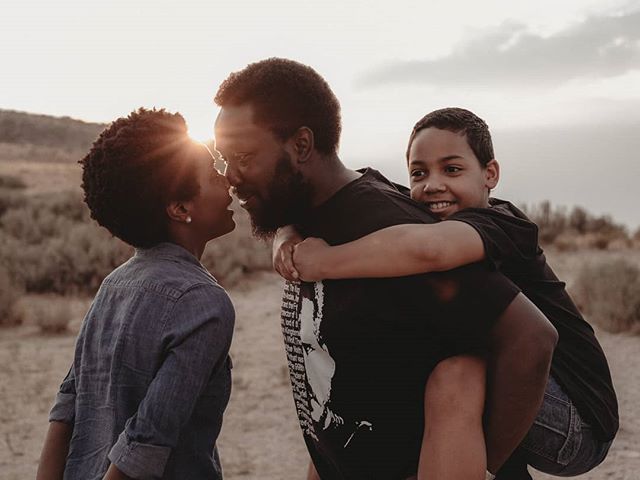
x=46 y=131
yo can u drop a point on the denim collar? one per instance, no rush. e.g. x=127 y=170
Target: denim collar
x=169 y=251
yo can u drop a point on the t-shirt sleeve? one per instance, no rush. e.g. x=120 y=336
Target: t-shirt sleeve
x=506 y=237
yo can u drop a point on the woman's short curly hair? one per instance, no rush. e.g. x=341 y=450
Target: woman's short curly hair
x=459 y=120
x=136 y=166
x=285 y=96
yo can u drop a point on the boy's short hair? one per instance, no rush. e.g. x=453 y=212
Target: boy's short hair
x=136 y=166
x=285 y=96
x=459 y=120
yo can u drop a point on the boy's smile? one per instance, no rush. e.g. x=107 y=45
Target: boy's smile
x=446 y=175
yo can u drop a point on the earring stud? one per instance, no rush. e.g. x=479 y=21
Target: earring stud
x=188 y=219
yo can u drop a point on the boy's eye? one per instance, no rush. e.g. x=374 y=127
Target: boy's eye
x=452 y=169
x=417 y=173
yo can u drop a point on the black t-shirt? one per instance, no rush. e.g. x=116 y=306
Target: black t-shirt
x=579 y=365
x=360 y=350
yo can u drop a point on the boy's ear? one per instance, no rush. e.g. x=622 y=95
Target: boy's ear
x=303 y=144
x=492 y=174
x=178 y=211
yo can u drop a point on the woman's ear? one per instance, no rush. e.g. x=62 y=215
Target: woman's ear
x=492 y=174
x=179 y=211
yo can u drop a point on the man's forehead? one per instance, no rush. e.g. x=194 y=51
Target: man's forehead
x=235 y=120
x=235 y=129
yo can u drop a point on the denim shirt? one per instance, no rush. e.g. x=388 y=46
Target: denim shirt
x=151 y=373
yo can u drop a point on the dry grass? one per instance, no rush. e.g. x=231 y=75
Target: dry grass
x=43 y=177
x=605 y=284
x=260 y=436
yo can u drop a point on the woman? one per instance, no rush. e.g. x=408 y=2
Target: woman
x=150 y=378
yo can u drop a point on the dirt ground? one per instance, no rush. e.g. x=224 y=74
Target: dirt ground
x=260 y=437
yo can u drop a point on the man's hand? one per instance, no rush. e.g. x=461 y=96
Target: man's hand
x=309 y=259
x=282 y=253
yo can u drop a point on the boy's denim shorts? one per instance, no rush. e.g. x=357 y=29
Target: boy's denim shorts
x=559 y=443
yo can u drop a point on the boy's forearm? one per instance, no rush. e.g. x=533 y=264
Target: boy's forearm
x=54 y=452
x=405 y=250
x=518 y=374
x=391 y=252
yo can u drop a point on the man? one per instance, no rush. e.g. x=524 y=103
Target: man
x=360 y=351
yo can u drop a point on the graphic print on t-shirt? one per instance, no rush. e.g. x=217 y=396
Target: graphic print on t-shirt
x=311 y=366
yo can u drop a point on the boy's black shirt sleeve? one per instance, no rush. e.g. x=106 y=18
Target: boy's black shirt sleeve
x=509 y=237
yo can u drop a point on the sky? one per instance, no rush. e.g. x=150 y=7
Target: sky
x=558 y=82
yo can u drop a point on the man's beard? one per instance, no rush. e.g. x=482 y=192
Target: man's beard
x=289 y=198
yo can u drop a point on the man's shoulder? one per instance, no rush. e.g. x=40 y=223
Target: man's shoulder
x=383 y=199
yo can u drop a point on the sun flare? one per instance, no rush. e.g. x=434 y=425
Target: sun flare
x=200 y=133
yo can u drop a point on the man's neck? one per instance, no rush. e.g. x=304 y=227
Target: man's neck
x=328 y=177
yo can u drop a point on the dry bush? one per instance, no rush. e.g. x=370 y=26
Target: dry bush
x=9 y=295
x=12 y=182
x=236 y=253
x=635 y=240
x=49 y=244
x=10 y=199
x=74 y=262
x=575 y=229
x=51 y=313
x=609 y=293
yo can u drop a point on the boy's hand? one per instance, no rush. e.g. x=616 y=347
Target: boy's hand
x=309 y=258
x=282 y=254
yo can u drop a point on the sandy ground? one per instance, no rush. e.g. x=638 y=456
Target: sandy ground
x=260 y=437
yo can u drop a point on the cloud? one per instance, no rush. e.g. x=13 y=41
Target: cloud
x=511 y=55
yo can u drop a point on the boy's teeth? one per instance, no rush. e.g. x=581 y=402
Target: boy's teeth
x=438 y=205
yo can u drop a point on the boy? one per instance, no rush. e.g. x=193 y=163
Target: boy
x=452 y=171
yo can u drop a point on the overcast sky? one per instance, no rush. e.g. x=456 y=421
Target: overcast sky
x=557 y=81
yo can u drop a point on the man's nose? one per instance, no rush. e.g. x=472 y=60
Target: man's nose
x=231 y=174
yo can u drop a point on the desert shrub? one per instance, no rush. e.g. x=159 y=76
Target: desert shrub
x=10 y=199
x=609 y=293
x=635 y=239
x=12 y=182
x=74 y=262
x=51 y=313
x=236 y=253
x=574 y=229
x=9 y=294
x=34 y=219
x=49 y=244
